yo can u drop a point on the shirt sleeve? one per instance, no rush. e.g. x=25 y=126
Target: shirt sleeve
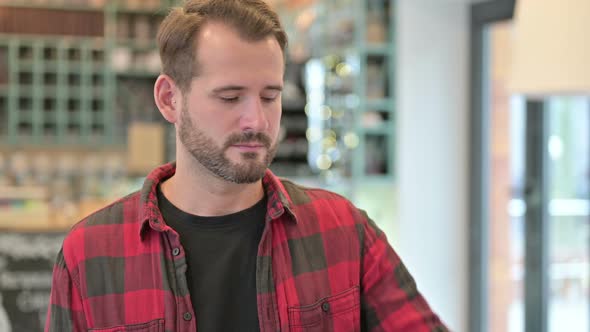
x=65 y=312
x=390 y=300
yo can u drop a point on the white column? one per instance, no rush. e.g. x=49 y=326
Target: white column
x=431 y=231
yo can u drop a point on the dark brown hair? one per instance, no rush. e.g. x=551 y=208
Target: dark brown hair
x=253 y=20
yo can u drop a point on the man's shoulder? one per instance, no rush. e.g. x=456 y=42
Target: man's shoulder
x=121 y=211
x=101 y=233
x=301 y=194
x=318 y=210
x=323 y=204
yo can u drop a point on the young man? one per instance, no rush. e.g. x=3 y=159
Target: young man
x=215 y=241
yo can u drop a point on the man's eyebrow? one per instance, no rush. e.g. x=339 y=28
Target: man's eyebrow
x=228 y=88
x=241 y=88
x=274 y=87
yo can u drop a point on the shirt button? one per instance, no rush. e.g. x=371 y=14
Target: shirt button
x=326 y=306
x=187 y=316
x=175 y=251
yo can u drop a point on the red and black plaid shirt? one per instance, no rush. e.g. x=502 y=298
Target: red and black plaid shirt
x=322 y=265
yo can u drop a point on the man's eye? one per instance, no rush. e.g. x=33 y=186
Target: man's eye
x=269 y=99
x=229 y=99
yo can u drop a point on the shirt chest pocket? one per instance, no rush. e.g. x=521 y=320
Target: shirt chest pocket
x=156 y=325
x=340 y=312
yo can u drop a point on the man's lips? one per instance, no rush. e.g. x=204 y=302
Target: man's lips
x=249 y=146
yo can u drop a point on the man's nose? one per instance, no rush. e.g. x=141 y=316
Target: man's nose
x=254 y=117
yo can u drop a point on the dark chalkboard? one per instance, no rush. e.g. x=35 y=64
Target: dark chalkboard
x=26 y=266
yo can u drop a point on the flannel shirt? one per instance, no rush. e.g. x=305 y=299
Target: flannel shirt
x=322 y=265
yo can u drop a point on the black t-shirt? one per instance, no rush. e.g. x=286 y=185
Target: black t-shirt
x=221 y=256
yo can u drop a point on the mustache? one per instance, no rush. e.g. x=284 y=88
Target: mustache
x=249 y=137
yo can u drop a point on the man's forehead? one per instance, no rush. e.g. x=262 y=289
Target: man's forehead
x=222 y=33
x=223 y=49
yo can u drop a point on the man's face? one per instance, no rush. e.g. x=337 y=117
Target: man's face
x=230 y=118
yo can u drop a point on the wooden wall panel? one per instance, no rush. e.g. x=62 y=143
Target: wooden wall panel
x=37 y=21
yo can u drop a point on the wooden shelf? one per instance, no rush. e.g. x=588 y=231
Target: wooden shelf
x=23 y=193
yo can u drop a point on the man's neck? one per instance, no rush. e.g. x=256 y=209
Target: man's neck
x=195 y=190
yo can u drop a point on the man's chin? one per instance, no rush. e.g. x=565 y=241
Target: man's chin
x=246 y=178
x=247 y=159
x=245 y=171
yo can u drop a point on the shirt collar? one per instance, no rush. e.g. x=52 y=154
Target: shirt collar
x=149 y=213
x=278 y=200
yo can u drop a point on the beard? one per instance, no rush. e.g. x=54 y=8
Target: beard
x=212 y=157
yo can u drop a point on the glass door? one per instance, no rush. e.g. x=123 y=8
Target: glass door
x=568 y=149
x=536 y=175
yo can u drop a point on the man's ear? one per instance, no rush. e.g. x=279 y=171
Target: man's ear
x=168 y=98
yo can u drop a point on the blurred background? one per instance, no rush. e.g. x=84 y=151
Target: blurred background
x=462 y=127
